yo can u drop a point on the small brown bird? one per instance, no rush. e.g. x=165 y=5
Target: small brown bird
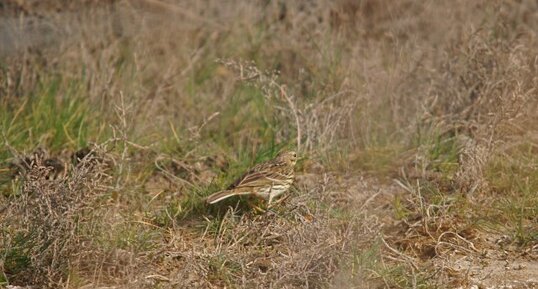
x=266 y=180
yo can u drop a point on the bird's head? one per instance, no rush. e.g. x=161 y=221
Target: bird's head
x=289 y=157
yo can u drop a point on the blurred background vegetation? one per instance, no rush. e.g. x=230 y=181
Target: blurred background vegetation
x=177 y=98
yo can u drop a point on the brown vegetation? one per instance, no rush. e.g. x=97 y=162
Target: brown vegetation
x=415 y=122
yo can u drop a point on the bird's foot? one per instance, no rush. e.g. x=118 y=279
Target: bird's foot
x=256 y=208
x=278 y=202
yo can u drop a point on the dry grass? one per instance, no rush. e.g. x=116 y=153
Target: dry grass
x=435 y=99
x=299 y=245
x=50 y=218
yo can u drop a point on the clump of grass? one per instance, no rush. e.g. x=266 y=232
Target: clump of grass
x=47 y=221
x=513 y=198
x=55 y=115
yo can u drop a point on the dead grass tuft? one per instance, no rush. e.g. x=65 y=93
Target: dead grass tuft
x=48 y=220
x=300 y=244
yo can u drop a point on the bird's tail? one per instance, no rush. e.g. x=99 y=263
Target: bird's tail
x=219 y=196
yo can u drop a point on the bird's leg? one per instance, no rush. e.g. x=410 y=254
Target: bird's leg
x=281 y=200
x=254 y=206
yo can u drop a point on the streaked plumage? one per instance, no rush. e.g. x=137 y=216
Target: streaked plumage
x=266 y=180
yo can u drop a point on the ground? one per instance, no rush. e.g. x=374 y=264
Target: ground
x=414 y=123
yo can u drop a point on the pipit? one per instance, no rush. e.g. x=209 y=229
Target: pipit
x=265 y=180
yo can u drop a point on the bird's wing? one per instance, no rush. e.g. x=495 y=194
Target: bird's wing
x=260 y=175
